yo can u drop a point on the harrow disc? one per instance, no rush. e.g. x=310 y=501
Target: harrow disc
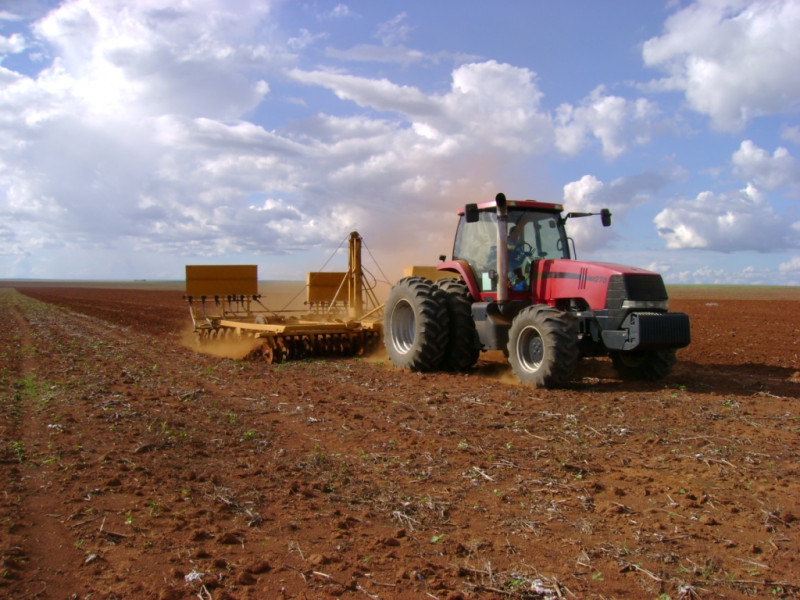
x=268 y=352
x=280 y=348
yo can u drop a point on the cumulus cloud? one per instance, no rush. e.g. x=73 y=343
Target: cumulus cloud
x=470 y=113
x=163 y=128
x=748 y=275
x=152 y=57
x=622 y=195
x=727 y=222
x=791 y=133
x=766 y=171
x=13 y=44
x=733 y=59
x=792 y=266
x=327 y=173
x=617 y=123
x=135 y=135
x=81 y=139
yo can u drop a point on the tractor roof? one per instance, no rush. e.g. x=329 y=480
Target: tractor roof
x=534 y=204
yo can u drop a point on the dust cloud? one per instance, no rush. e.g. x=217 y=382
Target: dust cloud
x=235 y=348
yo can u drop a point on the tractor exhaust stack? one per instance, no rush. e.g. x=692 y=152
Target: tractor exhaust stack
x=502 y=248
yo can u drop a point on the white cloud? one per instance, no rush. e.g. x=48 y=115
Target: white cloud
x=771 y=172
x=376 y=53
x=733 y=59
x=725 y=276
x=304 y=39
x=323 y=13
x=171 y=176
x=393 y=31
x=340 y=11
x=790 y=270
x=83 y=163
x=615 y=121
x=622 y=195
x=161 y=130
x=470 y=113
x=137 y=127
x=13 y=44
x=151 y=57
x=511 y=120
x=791 y=133
x=729 y=222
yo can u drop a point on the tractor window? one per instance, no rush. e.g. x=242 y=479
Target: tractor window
x=551 y=244
x=477 y=244
x=541 y=235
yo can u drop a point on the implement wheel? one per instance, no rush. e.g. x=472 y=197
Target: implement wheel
x=415 y=324
x=543 y=346
x=464 y=345
x=650 y=365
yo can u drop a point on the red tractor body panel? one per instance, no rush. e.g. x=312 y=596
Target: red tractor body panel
x=554 y=280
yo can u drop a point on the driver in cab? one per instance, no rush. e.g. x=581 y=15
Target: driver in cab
x=519 y=262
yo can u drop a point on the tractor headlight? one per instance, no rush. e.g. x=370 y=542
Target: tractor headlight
x=630 y=305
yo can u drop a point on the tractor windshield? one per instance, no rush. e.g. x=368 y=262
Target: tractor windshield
x=532 y=234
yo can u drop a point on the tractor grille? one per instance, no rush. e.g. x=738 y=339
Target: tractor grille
x=633 y=287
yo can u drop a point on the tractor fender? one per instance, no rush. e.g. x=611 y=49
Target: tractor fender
x=465 y=272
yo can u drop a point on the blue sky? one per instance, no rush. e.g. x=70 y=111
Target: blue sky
x=138 y=137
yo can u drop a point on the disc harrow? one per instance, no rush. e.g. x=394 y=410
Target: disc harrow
x=327 y=340
x=281 y=348
x=342 y=315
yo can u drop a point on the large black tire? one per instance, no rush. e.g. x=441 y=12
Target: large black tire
x=650 y=365
x=543 y=346
x=415 y=324
x=463 y=345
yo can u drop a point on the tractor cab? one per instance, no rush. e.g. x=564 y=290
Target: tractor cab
x=535 y=230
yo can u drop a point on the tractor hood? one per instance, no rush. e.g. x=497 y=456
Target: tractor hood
x=599 y=285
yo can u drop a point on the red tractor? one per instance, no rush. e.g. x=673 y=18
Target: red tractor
x=513 y=285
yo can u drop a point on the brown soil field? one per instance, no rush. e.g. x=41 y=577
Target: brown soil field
x=134 y=467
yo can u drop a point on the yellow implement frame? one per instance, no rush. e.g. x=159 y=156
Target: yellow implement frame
x=344 y=315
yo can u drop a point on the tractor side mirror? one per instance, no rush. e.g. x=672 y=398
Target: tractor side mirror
x=605 y=217
x=471 y=212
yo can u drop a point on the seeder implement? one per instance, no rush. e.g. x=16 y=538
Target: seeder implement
x=222 y=301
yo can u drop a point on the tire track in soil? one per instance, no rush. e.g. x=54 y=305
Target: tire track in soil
x=36 y=541
x=68 y=369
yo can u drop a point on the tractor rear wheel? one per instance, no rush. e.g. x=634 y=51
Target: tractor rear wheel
x=415 y=324
x=543 y=346
x=650 y=365
x=464 y=345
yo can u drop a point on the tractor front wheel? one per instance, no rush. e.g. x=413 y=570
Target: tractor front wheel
x=415 y=324
x=650 y=365
x=543 y=346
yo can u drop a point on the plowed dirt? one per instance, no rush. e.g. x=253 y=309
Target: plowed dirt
x=133 y=467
